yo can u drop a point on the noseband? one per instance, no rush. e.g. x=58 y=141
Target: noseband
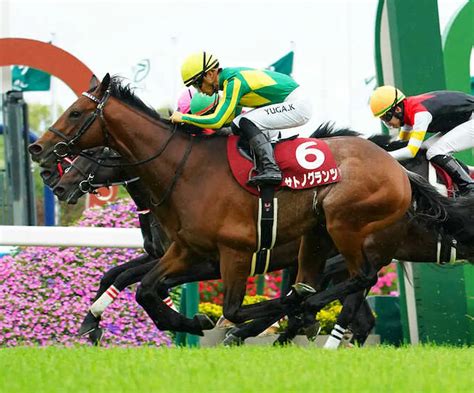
x=87 y=185
x=64 y=148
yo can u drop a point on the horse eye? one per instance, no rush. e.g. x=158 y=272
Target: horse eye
x=75 y=114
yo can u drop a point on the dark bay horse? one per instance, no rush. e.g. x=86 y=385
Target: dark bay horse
x=205 y=212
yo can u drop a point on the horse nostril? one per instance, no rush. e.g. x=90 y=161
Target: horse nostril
x=59 y=191
x=35 y=149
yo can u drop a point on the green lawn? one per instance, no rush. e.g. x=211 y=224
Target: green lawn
x=244 y=369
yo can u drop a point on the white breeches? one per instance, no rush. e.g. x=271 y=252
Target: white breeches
x=295 y=111
x=458 y=139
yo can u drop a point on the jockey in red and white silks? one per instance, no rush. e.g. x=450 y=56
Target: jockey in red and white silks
x=447 y=114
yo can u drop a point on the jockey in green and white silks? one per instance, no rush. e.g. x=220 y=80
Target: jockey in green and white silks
x=277 y=99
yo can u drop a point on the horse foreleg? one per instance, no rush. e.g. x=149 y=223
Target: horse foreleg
x=176 y=262
x=238 y=334
x=235 y=268
x=360 y=322
x=201 y=272
x=111 y=284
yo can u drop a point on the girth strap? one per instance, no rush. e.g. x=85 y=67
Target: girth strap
x=446 y=250
x=266 y=230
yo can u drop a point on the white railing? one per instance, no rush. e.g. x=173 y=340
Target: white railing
x=18 y=235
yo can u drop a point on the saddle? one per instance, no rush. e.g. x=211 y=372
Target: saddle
x=441 y=180
x=304 y=162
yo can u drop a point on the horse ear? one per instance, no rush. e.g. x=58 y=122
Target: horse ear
x=105 y=83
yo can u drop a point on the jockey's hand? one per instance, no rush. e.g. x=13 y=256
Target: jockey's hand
x=176 y=117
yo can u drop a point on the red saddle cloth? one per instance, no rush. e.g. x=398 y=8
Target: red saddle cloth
x=445 y=179
x=304 y=162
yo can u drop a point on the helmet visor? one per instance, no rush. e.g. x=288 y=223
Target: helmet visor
x=387 y=116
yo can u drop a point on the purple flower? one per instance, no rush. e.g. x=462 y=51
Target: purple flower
x=46 y=292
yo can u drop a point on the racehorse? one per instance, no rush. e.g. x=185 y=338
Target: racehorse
x=186 y=173
x=82 y=175
x=86 y=176
x=420 y=239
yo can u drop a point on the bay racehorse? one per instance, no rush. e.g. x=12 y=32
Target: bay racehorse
x=205 y=212
x=81 y=175
x=86 y=176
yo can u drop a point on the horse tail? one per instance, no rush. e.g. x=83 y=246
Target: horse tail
x=451 y=216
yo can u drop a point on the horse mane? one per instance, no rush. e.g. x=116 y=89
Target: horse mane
x=126 y=94
x=328 y=130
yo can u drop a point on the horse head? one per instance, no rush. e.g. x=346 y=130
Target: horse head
x=93 y=169
x=80 y=127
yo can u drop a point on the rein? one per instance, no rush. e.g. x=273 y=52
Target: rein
x=176 y=176
x=136 y=163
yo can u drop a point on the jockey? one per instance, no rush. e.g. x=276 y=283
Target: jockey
x=192 y=102
x=448 y=114
x=276 y=98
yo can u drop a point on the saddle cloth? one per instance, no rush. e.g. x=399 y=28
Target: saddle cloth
x=441 y=180
x=304 y=162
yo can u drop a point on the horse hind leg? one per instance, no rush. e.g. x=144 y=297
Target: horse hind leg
x=350 y=245
x=377 y=250
x=362 y=324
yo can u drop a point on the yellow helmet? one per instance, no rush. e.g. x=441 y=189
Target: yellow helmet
x=196 y=65
x=385 y=98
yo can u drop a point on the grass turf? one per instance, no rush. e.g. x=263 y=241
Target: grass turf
x=243 y=369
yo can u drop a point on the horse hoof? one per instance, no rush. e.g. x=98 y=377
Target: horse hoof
x=95 y=336
x=89 y=324
x=231 y=340
x=282 y=341
x=312 y=331
x=223 y=323
x=204 y=321
x=304 y=290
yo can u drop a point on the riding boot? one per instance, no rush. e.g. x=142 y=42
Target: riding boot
x=268 y=170
x=464 y=182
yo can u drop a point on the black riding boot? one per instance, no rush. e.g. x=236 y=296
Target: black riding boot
x=464 y=182
x=269 y=172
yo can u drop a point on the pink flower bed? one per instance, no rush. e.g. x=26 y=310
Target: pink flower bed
x=387 y=282
x=45 y=292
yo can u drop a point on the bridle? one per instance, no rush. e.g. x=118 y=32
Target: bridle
x=63 y=148
x=87 y=185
